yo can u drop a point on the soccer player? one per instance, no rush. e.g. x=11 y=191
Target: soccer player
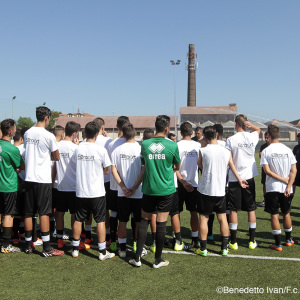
x=161 y=158
x=279 y=164
x=103 y=141
x=128 y=173
x=199 y=136
x=187 y=176
x=242 y=146
x=214 y=160
x=263 y=174
x=113 y=195
x=92 y=162
x=40 y=148
x=172 y=137
x=10 y=164
x=296 y=152
x=148 y=134
x=65 y=171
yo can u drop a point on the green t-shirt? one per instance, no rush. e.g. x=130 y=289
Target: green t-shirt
x=159 y=155
x=10 y=159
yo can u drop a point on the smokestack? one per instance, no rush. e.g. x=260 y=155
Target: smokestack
x=191 y=97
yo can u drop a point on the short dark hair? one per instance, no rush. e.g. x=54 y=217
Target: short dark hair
x=148 y=134
x=72 y=127
x=219 y=128
x=121 y=121
x=162 y=121
x=273 y=132
x=298 y=135
x=58 y=130
x=18 y=135
x=91 y=130
x=99 y=121
x=240 y=119
x=7 y=125
x=210 y=132
x=128 y=131
x=186 y=129
x=170 y=135
x=198 y=128
x=42 y=112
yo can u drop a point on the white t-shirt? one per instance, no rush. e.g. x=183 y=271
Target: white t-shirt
x=104 y=141
x=215 y=159
x=65 y=167
x=38 y=143
x=90 y=160
x=127 y=159
x=242 y=146
x=222 y=143
x=189 y=154
x=111 y=147
x=280 y=158
x=22 y=152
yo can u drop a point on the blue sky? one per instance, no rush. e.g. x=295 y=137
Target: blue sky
x=113 y=56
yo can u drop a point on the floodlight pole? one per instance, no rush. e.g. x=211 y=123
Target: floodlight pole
x=173 y=63
x=113 y=125
x=12 y=106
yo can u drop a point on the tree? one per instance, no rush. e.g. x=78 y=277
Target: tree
x=25 y=122
x=54 y=114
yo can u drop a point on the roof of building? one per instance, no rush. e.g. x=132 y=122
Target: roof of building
x=282 y=124
x=111 y=121
x=208 y=110
x=296 y=122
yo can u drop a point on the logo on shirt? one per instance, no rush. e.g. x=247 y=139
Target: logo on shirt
x=244 y=145
x=64 y=155
x=156 y=148
x=128 y=157
x=279 y=155
x=207 y=178
x=85 y=157
x=32 y=141
x=190 y=154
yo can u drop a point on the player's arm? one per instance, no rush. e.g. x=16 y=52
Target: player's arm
x=54 y=172
x=199 y=162
x=119 y=180
x=138 y=181
x=248 y=125
x=55 y=155
x=292 y=177
x=176 y=167
x=243 y=183
x=106 y=170
x=185 y=184
x=275 y=175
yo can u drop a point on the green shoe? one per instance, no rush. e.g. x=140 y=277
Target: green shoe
x=224 y=252
x=113 y=246
x=178 y=247
x=153 y=248
x=233 y=246
x=134 y=246
x=202 y=253
x=252 y=245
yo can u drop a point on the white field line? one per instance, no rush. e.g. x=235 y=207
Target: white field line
x=214 y=254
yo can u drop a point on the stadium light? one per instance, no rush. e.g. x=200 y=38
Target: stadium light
x=12 y=106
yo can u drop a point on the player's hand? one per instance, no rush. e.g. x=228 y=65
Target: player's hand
x=243 y=183
x=286 y=180
x=287 y=192
x=247 y=125
x=188 y=187
x=126 y=191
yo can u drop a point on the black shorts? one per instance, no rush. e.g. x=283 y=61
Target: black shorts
x=126 y=206
x=54 y=197
x=151 y=204
x=275 y=200
x=175 y=205
x=208 y=204
x=38 y=198
x=113 y=200
x=66 y=201
x=190 y=198
x=263 y=176
x=107 y=193
x=20 y=203
x=8 y=203
x=86 y=206
x=242 y=199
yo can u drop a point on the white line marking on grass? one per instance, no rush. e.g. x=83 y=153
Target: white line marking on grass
x=236 y=256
